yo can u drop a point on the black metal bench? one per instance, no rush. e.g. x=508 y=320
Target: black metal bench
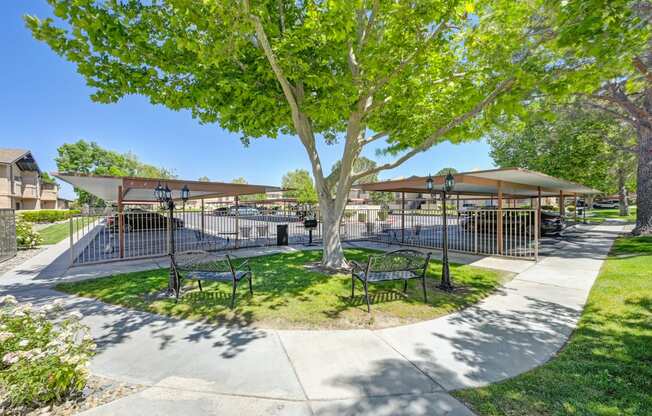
x=404 y=264
x=201 y=265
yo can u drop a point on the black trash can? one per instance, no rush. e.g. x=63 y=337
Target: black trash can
x=282 y=235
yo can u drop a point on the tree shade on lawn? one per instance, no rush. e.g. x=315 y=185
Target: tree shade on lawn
x=290 y=293
x=606 y=368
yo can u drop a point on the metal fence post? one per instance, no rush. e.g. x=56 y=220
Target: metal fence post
x=475 y=230
x=237 y=222
x=72 y=242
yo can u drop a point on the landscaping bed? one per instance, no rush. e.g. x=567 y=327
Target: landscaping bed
x=606 y=367
x=98 y=391
x=290 y=293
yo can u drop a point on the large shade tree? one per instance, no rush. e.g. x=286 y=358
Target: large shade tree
x=300 y=185
x=90 y=158
x=579 y=144
x=406 y=74
x=608 y=46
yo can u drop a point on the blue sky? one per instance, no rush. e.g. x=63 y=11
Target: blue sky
x=45 y=103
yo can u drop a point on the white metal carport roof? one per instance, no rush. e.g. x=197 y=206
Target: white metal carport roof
x=141 y=190
x=515 y=182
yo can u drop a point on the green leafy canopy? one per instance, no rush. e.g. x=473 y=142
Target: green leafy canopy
x=204 y=56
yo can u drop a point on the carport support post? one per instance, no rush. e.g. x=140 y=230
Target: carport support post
x=537 y=225
x=562 y=210
x=402 y=217
x=575 y=219
x=499 y=220
x=121 y=224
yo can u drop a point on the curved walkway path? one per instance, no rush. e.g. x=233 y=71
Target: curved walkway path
x=198 y=369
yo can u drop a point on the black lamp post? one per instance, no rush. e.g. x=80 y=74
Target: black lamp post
x=449 y=185
x=164 y=198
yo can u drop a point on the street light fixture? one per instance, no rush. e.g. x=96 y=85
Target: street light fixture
x=449 y=185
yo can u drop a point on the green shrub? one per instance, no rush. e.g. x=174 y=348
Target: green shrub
x=362 y=216
x=382 y=215
x=26 y=237
x=48 y=215
x=44 y=355
x=549 y=208
x=570 y=208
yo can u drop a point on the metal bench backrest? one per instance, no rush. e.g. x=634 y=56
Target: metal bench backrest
x=398 y=260
x=199 y=260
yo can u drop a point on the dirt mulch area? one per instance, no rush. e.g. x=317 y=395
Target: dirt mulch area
x=98 y=391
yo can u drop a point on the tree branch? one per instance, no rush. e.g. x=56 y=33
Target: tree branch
x=373 y=138
x=500 y=88
x=372 y=17
x=621 y=147
x=396 y=71
x=288 y=89
x=614 y=113
x=642 y=68
x=619 y=98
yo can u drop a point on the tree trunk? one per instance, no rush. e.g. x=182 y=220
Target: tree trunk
x=644 y=183
x=623 y=203
x=333 y=254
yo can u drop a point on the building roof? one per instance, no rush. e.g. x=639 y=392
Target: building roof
x=514 y=182
x=141 y=190
x=22 y=157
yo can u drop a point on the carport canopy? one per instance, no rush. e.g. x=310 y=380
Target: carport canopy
x=126 y=189
x=508 y=182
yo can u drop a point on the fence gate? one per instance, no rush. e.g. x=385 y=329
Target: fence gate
x=8 y=246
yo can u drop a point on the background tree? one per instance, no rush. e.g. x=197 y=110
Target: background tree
x=364 y=164
x=607 y=44
x=570 y=142
x=248 y=198
x=46 y=178
x=446 y=171
x=301 y=186
x=204 y=179
x=409 y=74
x=89 y=158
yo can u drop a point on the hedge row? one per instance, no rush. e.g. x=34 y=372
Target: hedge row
x=47 y=215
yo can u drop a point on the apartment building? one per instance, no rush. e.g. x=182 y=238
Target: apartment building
x=21 y=185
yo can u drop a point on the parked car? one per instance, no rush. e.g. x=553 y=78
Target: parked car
x=221 y=211
x=606 y=203
x=468 y=207
x=140 y=219
x=244 y=211
x=551 y=222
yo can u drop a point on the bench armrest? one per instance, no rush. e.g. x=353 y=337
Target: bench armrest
x=355 y=266
x=239 y=264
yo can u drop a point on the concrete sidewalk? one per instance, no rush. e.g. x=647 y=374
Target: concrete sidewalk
x=203 y=369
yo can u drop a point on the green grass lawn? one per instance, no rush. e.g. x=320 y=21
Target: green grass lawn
x=601 y=215
x=289 y=295
x=606 y=368
x=60 y=231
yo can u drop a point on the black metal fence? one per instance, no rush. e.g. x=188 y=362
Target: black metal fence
x=8 y=246
x=98 y=237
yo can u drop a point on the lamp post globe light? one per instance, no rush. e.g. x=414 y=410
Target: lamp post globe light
x=449 y=185
x=164 y=197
